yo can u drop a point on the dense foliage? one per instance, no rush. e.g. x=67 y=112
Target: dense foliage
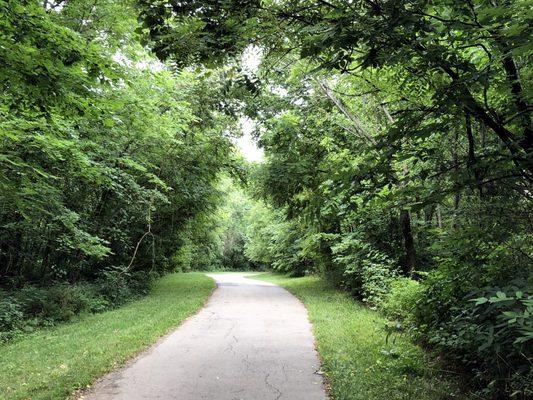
x=109 y=162
x=399 y=158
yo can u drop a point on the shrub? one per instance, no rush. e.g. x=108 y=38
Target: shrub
x=476 y=310
x=62 y=302
x=366 y=272
x=181 y=260
x=46 y=306
x=11 y=316
x=400 y=303
x=32 y=300
x=114 y=285
x=141 y=282
x=492 y=333
x=32 y=306
x=489 y=331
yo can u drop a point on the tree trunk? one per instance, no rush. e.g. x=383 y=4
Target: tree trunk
x=472 y=162
x=410 y=251
x=522 y=106
x=439 y=217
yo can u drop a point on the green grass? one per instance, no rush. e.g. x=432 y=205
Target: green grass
x=52 y=363
x=357 y=361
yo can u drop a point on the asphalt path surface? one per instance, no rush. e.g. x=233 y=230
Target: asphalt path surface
x=252 y=341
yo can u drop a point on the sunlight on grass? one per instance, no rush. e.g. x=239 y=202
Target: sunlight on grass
x=357 y=360
x=52 y=363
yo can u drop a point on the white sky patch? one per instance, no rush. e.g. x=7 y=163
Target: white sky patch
x=152 y=65
x=279 y=90
x=55 y=6
x=250 y=62
x=148 y=63
x=247 y=144
x=251 y=59
x=121 y=59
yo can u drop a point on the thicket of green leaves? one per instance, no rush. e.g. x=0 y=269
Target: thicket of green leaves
x=399 y=158
x=109 y=162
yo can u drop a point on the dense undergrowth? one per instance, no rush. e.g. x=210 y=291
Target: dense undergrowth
x=33 y=307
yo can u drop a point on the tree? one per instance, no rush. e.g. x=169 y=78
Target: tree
x=471 y=54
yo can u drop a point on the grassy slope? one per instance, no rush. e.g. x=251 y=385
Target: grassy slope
x=352 y=344
x=52 y=363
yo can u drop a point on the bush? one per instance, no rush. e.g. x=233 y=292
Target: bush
x=399 y=304
x=114 y=285
x=181 y=260
x=487 y=331
x=31 y=298
x=47 y=306
x=32 y=306
x=142 y=282
x=62 y=302
x=477 y=310
x=11 y=316
x=366 y=272
x=492 y=332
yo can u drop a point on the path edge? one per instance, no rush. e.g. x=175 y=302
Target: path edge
x=79 y=394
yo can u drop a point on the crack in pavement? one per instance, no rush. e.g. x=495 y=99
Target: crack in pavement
x=272 y=386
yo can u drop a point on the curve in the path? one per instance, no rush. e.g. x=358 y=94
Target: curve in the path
x=252 y=341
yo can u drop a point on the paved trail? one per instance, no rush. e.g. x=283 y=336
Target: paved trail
x=252 y=341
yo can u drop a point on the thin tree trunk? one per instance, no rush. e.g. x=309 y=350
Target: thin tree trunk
x=519 y=149
x=405 y=222
x=457 y=197
x=439 y=217
x=472 y=162
x=522 y=107
x=410 y=251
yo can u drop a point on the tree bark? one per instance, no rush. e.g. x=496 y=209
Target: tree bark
x=439 y=217
x=472 y=162
x=410 y=251
x=520 y=149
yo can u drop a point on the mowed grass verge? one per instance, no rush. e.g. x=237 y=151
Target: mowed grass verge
x=52 y=363
x=352 y=342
